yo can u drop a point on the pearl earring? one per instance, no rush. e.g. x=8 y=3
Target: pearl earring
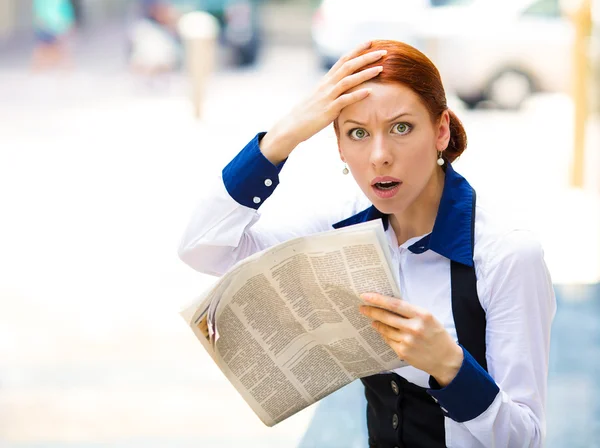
x=345 y=170
x=440 y=160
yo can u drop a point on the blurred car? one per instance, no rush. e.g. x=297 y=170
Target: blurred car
x=240 y=24
x=501 y=51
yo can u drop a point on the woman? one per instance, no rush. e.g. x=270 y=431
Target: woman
x=477 y=300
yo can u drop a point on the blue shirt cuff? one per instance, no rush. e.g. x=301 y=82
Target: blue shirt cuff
x=250 y=178
x=469 y=394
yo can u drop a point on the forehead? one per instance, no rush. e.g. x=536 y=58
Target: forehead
x=385 y=101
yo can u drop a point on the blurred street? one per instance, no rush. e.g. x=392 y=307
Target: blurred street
x=100 y=170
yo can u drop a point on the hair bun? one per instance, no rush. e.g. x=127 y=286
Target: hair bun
x=458 y=138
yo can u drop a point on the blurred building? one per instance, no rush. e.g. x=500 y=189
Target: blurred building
x=13 y=14
x=290 y=18
x=16 y=15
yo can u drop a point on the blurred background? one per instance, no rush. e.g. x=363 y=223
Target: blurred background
x=114 y=115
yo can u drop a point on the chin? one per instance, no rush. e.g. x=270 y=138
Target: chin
x=386 y=206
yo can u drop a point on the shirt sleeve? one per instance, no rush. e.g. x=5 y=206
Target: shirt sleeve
x=506 y=405
x=225 y=227
x=250 y=178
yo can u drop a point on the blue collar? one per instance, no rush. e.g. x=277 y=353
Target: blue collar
x=454 y=227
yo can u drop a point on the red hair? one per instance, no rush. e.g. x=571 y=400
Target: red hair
x=406 y=65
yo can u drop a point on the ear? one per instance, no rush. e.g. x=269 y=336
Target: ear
x=342 y=158
x=337 y=138
x=443 y=131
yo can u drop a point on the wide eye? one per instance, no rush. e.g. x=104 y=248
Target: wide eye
x=357 y=133
x=402 y=128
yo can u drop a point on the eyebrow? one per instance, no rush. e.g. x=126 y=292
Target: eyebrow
x=390 y=120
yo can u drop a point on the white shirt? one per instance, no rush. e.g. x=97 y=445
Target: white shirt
x=513 y=285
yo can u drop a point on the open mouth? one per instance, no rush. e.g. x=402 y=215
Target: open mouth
x=384 y=186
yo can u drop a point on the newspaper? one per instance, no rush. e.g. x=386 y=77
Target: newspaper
x=283 y=325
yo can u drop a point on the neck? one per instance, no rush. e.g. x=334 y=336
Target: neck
x=419 y=218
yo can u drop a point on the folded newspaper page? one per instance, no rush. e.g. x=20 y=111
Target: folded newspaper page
x=283 y=325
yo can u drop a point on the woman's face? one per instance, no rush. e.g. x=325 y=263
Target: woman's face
x=390 y=145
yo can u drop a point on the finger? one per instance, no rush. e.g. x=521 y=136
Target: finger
x=390 y=334
x=397 y=306
x=349 y=98
x=387 y=317
x=351 y=55
x=356 y=79
x=351 y=66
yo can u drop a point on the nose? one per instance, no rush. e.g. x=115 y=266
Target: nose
x=380 y=155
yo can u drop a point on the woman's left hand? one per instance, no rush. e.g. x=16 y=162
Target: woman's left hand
x=415 y=335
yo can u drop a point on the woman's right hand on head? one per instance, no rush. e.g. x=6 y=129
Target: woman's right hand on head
x=323 y=106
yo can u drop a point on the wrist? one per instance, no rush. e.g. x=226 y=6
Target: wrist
x=276 y=146
x=450 y=366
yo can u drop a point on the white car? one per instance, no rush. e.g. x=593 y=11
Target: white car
x=501 y=51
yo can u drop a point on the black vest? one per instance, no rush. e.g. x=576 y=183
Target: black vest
x=402 y=414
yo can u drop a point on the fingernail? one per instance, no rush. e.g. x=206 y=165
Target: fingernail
x=382 y=52
x=365 y=296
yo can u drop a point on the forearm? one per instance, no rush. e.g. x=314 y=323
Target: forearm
x=213 y=239
x=474 y=400
x=225 y=226
x=278 y=144
x=218 y=233
x=507 y=424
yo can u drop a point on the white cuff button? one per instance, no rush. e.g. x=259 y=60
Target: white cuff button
x=268 y=182
x=256 y=200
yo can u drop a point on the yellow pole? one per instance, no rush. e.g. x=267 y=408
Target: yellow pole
x=582 y=19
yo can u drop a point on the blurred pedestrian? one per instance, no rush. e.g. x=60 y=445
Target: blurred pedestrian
x=154 y=43
x=54 y=20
